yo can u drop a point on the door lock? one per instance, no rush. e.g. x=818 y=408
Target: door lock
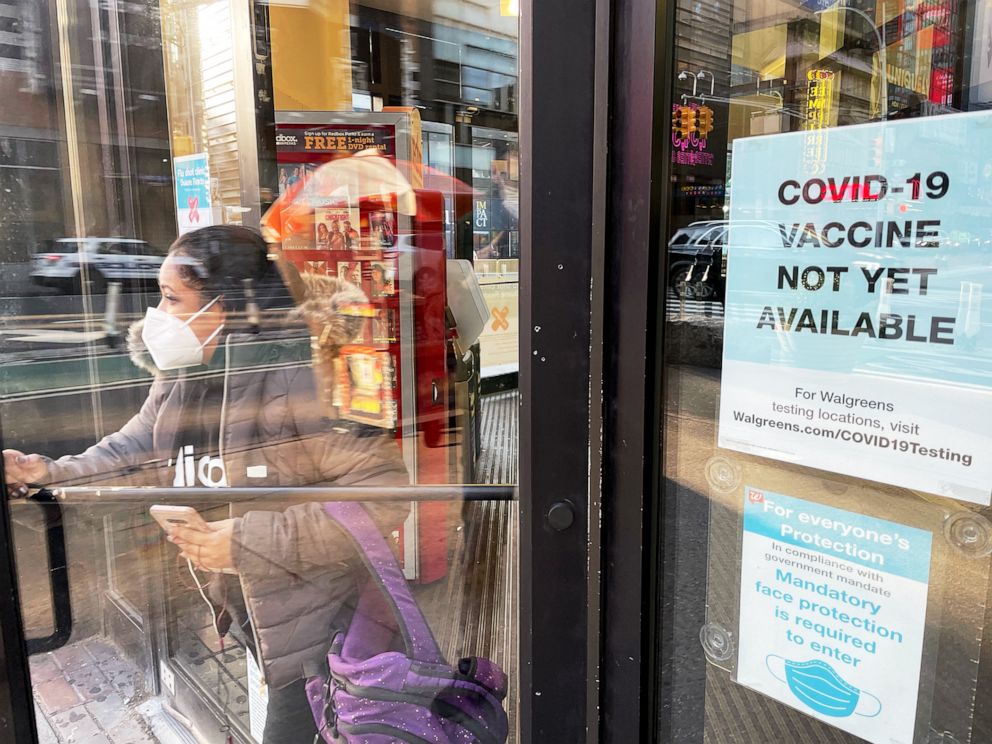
x=561 y=515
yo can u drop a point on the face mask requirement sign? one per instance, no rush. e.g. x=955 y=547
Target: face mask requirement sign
x=833 y=609
x=855 y=340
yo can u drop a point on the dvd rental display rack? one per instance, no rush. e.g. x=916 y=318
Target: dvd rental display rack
x=362 y=217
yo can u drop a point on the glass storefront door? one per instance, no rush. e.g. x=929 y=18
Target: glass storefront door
x=261 y=262
x=825 y=476
x=660 y=368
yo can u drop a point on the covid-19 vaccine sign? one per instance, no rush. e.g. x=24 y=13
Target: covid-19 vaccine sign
x=857 y=337
x=832 y=613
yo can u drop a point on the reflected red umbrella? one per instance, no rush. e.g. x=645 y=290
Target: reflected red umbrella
x=349 y=180
x=346 y=181
x=437 y=180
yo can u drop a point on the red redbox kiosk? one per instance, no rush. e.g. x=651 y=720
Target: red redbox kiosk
x=351 y=206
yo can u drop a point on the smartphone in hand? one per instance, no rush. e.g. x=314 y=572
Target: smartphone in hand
x=178 y=516
x=182 y=516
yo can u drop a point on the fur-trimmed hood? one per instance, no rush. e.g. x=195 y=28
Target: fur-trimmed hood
x=324 y=307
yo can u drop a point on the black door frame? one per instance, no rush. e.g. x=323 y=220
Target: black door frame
x=17 y=722
x=634 y=624
x=563 y=108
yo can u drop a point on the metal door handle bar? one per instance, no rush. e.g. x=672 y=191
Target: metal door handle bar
x=285 y=496
x=52 y=501
x=58 y=572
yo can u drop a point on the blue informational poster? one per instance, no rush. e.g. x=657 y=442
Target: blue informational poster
x=832 y=613
x=856 y=339
x=192 y=179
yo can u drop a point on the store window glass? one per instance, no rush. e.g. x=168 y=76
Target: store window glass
x=258 y=272
x=826 y=470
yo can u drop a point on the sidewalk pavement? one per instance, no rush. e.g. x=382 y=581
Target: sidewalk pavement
x=87 y=692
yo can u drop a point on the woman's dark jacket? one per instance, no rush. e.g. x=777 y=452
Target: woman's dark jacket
x=295 y=567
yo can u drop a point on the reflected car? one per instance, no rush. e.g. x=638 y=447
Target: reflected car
x=696 y=260
x=697 y=254
x=125 y=260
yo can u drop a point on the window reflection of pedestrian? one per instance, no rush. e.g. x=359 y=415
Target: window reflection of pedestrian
x=509 y=195
x=218 y=398
x=490 y=249
x=510 y=200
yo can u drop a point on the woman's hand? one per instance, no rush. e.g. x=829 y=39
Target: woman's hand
x=209 y=551
x=20 y=469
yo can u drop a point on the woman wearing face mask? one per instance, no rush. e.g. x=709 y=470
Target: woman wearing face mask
x=234 y=403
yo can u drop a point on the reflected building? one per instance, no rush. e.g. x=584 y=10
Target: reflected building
x=86 y=137
x=29 y=132
x=805 y=67
x=82 y=136
x=459 y=69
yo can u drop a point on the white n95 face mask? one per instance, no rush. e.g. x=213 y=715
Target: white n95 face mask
x=171 y=341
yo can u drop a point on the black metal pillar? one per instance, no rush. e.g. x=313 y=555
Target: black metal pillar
x=639 y=186
x=560 y=226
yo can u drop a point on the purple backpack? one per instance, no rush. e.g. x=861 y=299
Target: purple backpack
x=376 y=696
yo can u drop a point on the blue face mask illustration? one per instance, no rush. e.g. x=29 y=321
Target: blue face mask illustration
x=818 y=686
x=821 y=688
